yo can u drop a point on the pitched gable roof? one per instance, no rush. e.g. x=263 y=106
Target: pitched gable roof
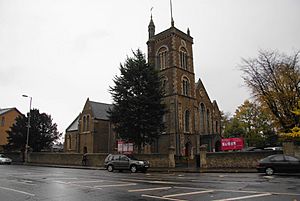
x=2 y=111
x=200 y=86
x=215 y=104
x=74 y=125
x=5 y=110
x=100 y=110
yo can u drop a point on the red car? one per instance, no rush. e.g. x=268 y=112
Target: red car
x=279 y=163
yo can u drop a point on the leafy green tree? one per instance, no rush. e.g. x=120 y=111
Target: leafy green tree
x=253 y=124
x=257 y=123
x=43 y=133
x=137 y=112
x=294 y=134
x=234 y=128
x=274 y=81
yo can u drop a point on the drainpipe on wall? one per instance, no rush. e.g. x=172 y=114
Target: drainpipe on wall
x=109 y=133
x=78 y=142
x=176 y=128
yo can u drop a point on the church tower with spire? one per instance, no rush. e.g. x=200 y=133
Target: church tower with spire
x=171 y=53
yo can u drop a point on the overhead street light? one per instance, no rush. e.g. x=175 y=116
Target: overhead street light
x=28 y=127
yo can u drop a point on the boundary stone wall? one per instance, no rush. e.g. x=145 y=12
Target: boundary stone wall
x=289 y=148
x=94 y=159
x=236 y=159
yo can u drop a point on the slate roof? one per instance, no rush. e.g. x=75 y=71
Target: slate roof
x=100 y=110
x=5 y=110
x=74 y=125
x=2 y=111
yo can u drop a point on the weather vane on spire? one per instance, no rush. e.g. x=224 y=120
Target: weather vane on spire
x=151 y=11
x=172 y=21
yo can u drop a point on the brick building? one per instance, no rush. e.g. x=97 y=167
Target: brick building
x=191 y=120
x=7 y=119
x=91 y=131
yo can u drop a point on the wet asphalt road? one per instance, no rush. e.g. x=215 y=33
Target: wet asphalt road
x=19 y=183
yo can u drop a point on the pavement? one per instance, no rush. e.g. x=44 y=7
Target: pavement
x=162 y=170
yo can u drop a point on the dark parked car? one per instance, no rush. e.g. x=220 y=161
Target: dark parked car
x=5 y=160
x=279 y=163
x=125 y=162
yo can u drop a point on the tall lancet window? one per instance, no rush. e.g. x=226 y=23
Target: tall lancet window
x=187 y=121
x=202 y=118
x=84 y=124
x=183 y=58
x=88 y=123
x=185 y=86
x=162 y=58
x=208 y=121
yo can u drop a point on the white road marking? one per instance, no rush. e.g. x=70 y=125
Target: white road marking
x=25 y=182
x=151 y=181
x=161 y=198
x=61 y=182
x=190 y=193
x=66 y=178
x=221 y=181
x=82 y=182
x=78 y=183
x=239 y=191
x=245 y=197
x=14 y=190
x=268 y=177
x=149 y=189
x=91 y=187
x=115 y=185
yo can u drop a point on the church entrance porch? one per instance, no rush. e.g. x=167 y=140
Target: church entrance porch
x=212 y=141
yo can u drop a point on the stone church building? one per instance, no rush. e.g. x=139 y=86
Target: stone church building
x=191 y=120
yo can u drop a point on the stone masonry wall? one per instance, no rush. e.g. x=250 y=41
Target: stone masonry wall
x=96 y=160
x=236 y=159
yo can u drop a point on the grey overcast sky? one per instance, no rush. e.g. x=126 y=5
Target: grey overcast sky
x=61 y=52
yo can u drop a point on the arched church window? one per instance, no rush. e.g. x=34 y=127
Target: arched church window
x=208 y=121
x=88 y=122
x=183 y=58
x=187 y=121
x=202 y=117
x=84 y=124
x=185 y=86
x=162 y=58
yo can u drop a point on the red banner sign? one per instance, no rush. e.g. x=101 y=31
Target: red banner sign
x=232 y=144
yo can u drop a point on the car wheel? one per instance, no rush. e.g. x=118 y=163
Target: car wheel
x=110 y=168
x=269 y=171
x=133 y=169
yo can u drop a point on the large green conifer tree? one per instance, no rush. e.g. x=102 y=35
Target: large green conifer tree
x=137 y=112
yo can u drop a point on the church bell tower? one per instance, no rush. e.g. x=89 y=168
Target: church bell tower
x=171 y=53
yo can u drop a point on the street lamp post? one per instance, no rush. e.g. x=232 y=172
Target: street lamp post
x=28 y=127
